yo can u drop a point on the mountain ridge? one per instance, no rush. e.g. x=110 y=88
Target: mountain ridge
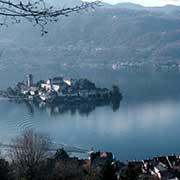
x=100 y=36
x=133 y=6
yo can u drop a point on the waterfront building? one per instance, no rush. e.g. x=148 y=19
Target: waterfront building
x=33 y=91
x=68 y=81
x=48 y=85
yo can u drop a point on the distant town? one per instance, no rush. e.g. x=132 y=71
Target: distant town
x=160 y=66
x=61 y=90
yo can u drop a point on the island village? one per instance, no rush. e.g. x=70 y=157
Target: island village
x=61 y=90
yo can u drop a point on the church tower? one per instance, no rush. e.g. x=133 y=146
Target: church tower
x=29 y=80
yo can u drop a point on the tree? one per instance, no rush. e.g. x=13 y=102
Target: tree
x=92 y=174
x=38 y=12
x=115 y=91
x=4 y=170
x=68 y=169
x=61 y=154
x=28 y=155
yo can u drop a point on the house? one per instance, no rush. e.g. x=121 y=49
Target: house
x=102 y=163
x=47 y=85
x=33 y=91
x=48 y=96
x=50 y=86
x=160 y=169
x=162 y=172
x=100 y=159
x=68 y=81
x=56 y=87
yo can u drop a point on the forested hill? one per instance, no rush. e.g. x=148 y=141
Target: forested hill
x=124 y=32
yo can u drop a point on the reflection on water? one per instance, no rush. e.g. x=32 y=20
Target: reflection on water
x=146 y=124
x=58 y=109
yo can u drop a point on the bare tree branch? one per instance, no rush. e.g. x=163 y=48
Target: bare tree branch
x=28 y=153
x=38 y=11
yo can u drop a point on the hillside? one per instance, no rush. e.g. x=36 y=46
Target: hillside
x=124 y=32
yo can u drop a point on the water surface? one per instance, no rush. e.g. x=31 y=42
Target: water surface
x=146 y=124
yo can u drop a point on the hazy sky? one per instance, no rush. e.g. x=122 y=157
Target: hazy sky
x=146 y=2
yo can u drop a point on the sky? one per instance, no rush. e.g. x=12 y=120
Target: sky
x=146 y=2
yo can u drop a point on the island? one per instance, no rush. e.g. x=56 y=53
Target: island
x=60 y=90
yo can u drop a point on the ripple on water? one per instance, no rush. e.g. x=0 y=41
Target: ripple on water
x=24 y=124
x=13 y=119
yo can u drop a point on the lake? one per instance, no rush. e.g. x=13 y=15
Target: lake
x=146 y=124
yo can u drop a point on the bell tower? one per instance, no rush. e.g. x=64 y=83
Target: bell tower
x=29 y=80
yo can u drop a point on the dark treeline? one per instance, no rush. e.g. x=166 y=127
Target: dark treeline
x=30 y=159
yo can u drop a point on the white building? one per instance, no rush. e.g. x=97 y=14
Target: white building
x=49 y=86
